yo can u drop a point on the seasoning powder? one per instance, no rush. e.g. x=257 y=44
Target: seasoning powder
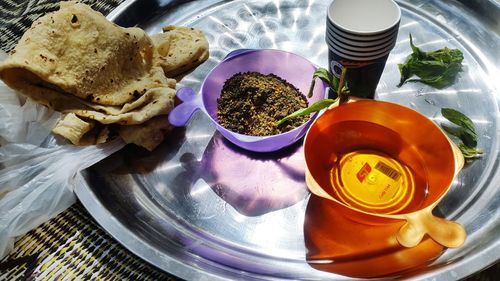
x=252 y=103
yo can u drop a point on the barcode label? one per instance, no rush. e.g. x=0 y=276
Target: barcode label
x=388 y=171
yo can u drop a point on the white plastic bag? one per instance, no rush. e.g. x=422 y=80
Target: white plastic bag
x=37 y=174
x=36 y=184
x=23 y=121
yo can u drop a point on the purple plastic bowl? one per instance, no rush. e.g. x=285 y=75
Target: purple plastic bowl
x=291 y=67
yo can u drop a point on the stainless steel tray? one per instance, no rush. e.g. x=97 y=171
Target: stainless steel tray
x=199 y=216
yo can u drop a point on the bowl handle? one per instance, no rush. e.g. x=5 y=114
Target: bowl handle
x=191 y=102
x=447 y=233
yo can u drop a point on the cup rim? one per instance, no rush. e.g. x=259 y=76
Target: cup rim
x=356 y=55
x=347 y=46
x=361 y=43
x=361 y=38
x=389 y=3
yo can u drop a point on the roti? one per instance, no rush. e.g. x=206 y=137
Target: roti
x=100 y=75
x=181 y=49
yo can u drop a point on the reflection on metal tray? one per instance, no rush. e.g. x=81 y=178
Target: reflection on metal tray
x=198 y=207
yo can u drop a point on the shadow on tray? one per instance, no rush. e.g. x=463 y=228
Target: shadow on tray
x=337 y=244
x=252 y=183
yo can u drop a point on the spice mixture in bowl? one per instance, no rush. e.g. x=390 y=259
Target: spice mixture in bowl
x=248 y=93
x=252 y=103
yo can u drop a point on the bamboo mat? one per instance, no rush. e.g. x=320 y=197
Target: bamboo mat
x=72 y=246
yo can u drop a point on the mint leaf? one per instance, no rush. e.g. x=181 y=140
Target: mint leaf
x=322 y=74
x=330 y=80
x=469 y=152
x=438 y=69
x=333 y=82
x=468 y=131
x=317 y=106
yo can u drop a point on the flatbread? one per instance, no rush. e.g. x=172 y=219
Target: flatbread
x=76 y=50
x=181 y=49
x=73 y=128
x=148 y=135
x=77 y=62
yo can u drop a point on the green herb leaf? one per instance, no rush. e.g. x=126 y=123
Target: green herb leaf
x=405 y=72
x=468 y=131
x=317 y=106
x=452 y=130
x=333 y=82
x=329 y=79
x=469 y=152
x=438 y=68
x=322 y=74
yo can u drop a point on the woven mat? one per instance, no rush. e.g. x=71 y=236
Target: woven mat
x=72 y=246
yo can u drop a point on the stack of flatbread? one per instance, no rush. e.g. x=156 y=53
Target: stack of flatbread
x=107 y=80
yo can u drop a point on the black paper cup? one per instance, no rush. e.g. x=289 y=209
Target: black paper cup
x=362 y=76
x=360 y=35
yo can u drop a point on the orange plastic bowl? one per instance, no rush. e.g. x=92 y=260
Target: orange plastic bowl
x=402 y=134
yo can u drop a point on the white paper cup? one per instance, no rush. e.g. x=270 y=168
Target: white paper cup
x=362 y=40
x=364 y=17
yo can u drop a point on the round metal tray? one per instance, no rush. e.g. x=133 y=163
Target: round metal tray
x=200 y=208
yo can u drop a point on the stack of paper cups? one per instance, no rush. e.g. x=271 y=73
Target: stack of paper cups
x=360 y=34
